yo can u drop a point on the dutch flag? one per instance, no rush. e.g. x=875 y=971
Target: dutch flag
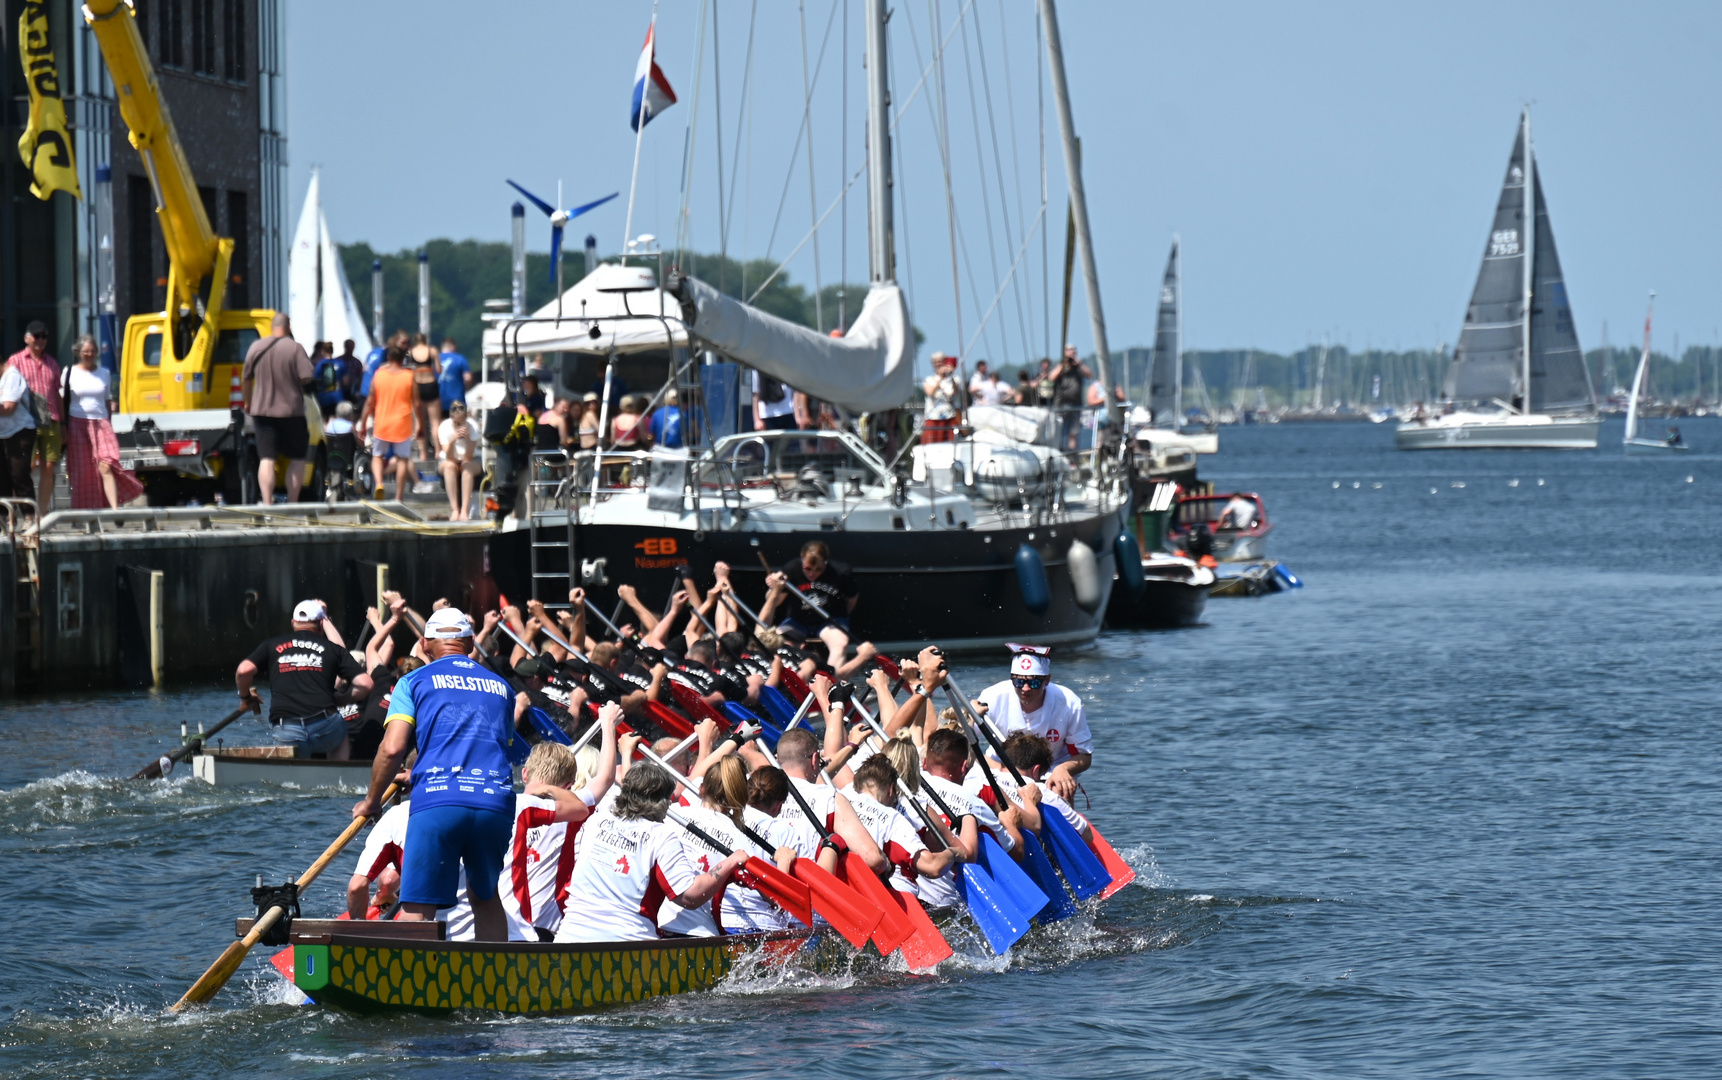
x=652 y=93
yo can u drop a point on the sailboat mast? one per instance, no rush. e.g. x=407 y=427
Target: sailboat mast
x=881 y=257
x=1178 y=332
x=1079 y=208
x=1530 y=219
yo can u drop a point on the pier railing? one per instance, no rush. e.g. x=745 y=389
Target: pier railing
x=158 y=518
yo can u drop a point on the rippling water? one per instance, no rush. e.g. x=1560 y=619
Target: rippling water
x=1451 y=809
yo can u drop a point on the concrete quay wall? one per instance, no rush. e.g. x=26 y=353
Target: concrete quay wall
x=103 y=622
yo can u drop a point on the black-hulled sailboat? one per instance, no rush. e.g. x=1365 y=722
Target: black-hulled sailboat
x=1518 y=379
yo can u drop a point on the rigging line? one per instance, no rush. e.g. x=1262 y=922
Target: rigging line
x=935 y=107
x=842 y=171
x=741 y=115
x=1021 y=251
x=804 y=128
x=898 y=161
x=998 y=168
x=1045 y=264
x=807 y=123
x=717 y=126
x=858 y=173
x=981 y=178
x=690 y=140
x=998 y=173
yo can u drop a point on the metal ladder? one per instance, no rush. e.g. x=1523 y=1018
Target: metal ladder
x=26 y=596
x=549 y=493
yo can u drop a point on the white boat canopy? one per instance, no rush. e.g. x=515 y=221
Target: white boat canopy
x=625 y=304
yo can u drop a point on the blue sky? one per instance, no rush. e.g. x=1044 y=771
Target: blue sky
x=1330 y=167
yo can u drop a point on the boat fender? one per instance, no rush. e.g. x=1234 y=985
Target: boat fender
x=1291 y=579
x=1031 y=579
x=1084 y=575
x=1128 y=555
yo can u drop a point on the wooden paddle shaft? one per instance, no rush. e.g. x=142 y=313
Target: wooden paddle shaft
x=153 y=769
x=211 y=982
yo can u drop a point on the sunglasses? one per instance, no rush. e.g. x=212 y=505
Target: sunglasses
x=1028 y=682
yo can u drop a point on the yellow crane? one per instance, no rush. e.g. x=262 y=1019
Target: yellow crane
x=185 y=359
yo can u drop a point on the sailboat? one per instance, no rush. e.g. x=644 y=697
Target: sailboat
x=1633 y=442
x=987 y=538
x=1158 y=421
x=319 y=301
x=1518 y=349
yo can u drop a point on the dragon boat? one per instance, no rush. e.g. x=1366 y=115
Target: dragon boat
x=378 y=966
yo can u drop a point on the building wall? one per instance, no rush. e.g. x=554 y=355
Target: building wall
x=219 y=66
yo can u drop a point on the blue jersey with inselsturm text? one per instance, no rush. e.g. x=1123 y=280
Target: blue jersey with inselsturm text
x=463 y=718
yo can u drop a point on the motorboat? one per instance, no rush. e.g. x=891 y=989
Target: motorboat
x=1232 y=527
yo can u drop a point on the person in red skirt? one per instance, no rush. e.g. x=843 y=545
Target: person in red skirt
x=944 y=401
x=92 y=451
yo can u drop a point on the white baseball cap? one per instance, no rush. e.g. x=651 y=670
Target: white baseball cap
x=310 y=611
x=1030 y=659
x=447 y=624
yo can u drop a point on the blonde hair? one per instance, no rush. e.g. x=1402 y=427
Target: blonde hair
x=585 y=766
x=725 y=786
x=901 y=753
x=551 y=763
x=768 y=637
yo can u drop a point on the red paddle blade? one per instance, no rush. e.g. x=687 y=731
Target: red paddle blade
x=794 y=685
x=894 y=928
x=926 y=946
x=849 y=914
x=672 y=723
x=690 y=702
x=783 y=890
x=1120 y=870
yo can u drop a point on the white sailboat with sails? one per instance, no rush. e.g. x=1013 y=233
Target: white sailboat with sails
x=1158 y=421
x=320 y=302
x=1518 y=351
x=1634 y=442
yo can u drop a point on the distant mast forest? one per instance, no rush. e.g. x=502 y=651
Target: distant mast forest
x=466 y=273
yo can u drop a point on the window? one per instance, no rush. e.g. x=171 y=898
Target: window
x=239 y=270
x=140 y=245
x=173 y=33
x=233 y=40
x=203 y=36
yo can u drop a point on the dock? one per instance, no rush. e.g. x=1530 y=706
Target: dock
x=148 y=596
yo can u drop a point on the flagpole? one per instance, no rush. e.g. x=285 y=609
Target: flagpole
x=640 y=131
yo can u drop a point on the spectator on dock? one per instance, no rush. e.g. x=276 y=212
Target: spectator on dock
x=352 y=371
x=274 y=378
x=391 y=405
x=451 y=383
x=944 y=400
x=92 y=449
x=17 y=434
x=42 y=374
x=460 y=468
x=305 y=671
x=425 y=363
x=1067 y=387
x=326 y=378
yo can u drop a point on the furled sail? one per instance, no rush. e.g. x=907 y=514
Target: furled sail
x=870 y=368
x=1164 y=383
x=1489 y=360
x=1560 y=379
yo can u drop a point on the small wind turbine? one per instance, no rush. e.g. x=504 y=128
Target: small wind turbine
x=559 y=220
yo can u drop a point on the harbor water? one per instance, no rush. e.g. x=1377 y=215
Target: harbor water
x=1452 y=809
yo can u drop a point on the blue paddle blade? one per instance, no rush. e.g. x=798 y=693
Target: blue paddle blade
x=536 y=201
x=555 y=250
x=1082 y=868
x=1039 y=867
x=999 y=919
x=768 y=731
x=777 y=704
x=1021 y=889
x=545 y=728
x=594 y=204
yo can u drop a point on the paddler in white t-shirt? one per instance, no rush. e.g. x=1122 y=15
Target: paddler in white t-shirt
x=1030 y=701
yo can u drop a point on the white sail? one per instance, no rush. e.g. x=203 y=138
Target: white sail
x=1638 y=378
x=341 y=318
x=302 y=268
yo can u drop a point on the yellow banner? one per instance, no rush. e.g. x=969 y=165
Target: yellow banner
x=46 y=147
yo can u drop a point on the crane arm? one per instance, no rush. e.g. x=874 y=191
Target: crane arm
x=191 y=241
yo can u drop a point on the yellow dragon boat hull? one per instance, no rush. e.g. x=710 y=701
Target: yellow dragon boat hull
x=379 y=974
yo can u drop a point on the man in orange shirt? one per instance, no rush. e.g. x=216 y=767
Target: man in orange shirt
x=391 y=405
